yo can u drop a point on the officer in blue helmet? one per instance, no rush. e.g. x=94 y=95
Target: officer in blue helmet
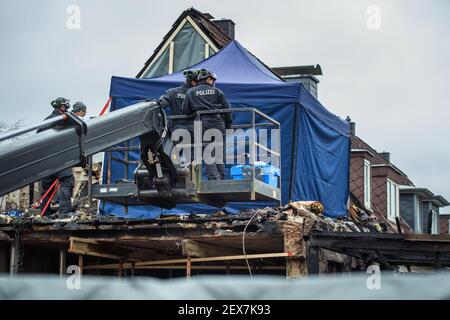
x=205 y=96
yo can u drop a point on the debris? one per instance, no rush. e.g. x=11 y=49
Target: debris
x=4 y=218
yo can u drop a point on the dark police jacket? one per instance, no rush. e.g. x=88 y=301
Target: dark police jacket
x=174 y=98
x=54 y=114
x=66 y=172
x=206 y=97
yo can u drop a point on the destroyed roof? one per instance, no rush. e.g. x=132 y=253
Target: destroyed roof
x=357 y=212
x=218 y=223
x=203 y=21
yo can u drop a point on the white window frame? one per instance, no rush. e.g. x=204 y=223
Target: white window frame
x=392 y=215
x=171 y=56
x=367 y=183
x=435 y=222
x=418 y=215
x=172 y=37
x=206 y=50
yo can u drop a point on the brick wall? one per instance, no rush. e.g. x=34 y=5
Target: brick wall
x=357 y=178
x=444 y=219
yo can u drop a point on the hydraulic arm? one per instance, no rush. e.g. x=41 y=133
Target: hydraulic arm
x=69 y=141
x=158 y=180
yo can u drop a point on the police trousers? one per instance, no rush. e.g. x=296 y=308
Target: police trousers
x=189 y=126
x=216 y=169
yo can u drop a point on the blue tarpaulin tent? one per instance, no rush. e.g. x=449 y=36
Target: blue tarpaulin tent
x=315 y=143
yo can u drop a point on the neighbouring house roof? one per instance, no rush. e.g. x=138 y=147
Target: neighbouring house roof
x=203 y=21
x=390 y=165
x=438 y=200
x=377 y=160
x=424 y=192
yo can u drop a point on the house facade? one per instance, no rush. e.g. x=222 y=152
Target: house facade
x=383 y=188
x=194 y=36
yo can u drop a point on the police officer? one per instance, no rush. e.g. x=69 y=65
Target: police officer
x=79 y=109
x=60 y=105
x=205 y=96
x=174 y=99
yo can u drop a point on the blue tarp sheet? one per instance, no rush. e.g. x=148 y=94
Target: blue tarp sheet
x=315 y=143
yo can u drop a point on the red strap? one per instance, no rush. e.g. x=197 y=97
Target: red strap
x=45 y=194
x=50 y=199
x=106 y=106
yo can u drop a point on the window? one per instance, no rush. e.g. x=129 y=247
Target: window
x=183 y=49
x=392 y=200
x=367 y=178
x=435 y=223
x=418 y=217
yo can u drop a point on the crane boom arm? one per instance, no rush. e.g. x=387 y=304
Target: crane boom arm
x=34 y=157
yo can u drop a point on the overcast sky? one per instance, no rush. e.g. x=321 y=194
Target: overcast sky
x=394 y=81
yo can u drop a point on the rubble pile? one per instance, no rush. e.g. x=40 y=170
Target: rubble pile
x=307 y=215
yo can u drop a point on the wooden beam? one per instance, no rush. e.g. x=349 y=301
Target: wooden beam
x=80 y=263
x=225 y=268
x=94 y=247
x=62 y=262
x=13 y=260
x=133 y=268
x=89 y=248
x=188 y=267
x=178 y=261
x=120 y=271
x=200 y=249
x=313 y=260
x=294 y=245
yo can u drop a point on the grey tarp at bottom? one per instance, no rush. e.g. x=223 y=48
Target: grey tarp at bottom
x=393 y=286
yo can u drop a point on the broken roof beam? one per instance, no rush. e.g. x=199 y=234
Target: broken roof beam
x=112 y=250
x=201 y=249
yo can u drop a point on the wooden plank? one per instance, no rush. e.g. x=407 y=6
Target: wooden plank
x=294 y=244
x=94 y=247
x=80 y=263
x=428 y=237
x=208 y=259
x=225 y=268
x=359 y=235
x=133 y=268
x=188 y=267
x=62 y=262
x=88 y=249
x=200 y=249
x=12 y=260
